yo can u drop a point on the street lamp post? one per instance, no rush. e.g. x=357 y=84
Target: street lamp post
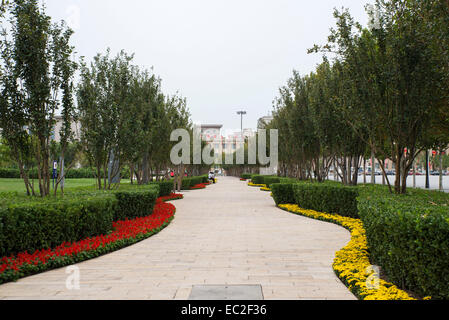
x=241 y=114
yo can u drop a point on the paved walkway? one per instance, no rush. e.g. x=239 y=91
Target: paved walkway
x=227 y=234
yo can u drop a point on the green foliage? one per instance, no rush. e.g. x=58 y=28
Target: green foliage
x=270 y=180
x=9 y=173
x=258 y=179
x=33 y=226
x=186 y=183
x=283 y=193
x=246 y=176
x=82 y=173
x=29 y=224
x=326 y=198
x=135 y=203
x=165 y=187
x=36 y=65
x=410 y=240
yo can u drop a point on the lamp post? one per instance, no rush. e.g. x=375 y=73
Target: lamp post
x=241 y=114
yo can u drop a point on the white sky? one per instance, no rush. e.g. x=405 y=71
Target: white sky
x=223 y=56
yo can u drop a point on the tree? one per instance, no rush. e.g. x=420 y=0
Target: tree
x=34 y=66
x=106 y=122
x=398 y=82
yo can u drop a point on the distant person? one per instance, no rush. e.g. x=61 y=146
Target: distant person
x=212 y=176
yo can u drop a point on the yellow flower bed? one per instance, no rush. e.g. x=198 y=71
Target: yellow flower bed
x=352 y=262
x=265 y=189
x=256 y=185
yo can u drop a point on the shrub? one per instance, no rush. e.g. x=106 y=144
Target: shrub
x=283 y=193
x=195 y=181
x=326 y=198
x=410 y=240
x=8 y=173
x=165 y=188
x=31 y=226
x=270 y=180
x=258 y=179
x=135 y=203
x=186 y=184
x=246 y=176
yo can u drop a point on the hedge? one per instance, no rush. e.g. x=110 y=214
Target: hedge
x=189 y=182
x=165 y=187
x=30 y=224
x=326 y=198
x=258 y=179
x=81 y=173
x=246 y=176
x=33 y=226
x=410 y=240
x=283 y=193
x=135 y=203
x=270 y=180
x=7 y=173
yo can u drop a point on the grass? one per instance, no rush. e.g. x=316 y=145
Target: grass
x=17 y=185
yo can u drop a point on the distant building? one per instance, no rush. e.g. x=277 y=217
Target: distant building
x=264 y=121
x=211 y=133
x=76 y=129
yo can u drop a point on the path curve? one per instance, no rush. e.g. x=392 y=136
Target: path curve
x=227 y=234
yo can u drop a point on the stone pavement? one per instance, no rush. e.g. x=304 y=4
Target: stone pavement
x=228 y=234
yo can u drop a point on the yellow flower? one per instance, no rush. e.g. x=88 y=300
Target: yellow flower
x=351 y=262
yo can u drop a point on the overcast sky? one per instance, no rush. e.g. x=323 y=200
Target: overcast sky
x=223 y=56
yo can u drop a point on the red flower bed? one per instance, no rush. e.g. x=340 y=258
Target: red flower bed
x=199 y=186
x=173 y=196
x=241 y=179
x=124 y=233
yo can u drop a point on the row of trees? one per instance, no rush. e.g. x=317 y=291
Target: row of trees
x=381 y=92
x=124 y=117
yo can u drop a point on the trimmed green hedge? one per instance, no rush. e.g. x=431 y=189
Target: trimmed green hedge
x=30 y=224
x=283 y=193
x=7 y=173
x=270 y=180
x=135 y=203
x=410 y=240
x=186 y=184
x=258 y=179
x=33 y=226
x=325 y=198
x=82 y=173
x=246 y=176
x=190 y=182
x=165 y=187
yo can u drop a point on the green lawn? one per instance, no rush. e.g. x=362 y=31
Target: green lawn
x=17 y=185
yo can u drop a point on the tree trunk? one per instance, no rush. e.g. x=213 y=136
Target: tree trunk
x=398 y=162
x=414 y=174
x=364 y=170
x=440 y=169
x=145 y=178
